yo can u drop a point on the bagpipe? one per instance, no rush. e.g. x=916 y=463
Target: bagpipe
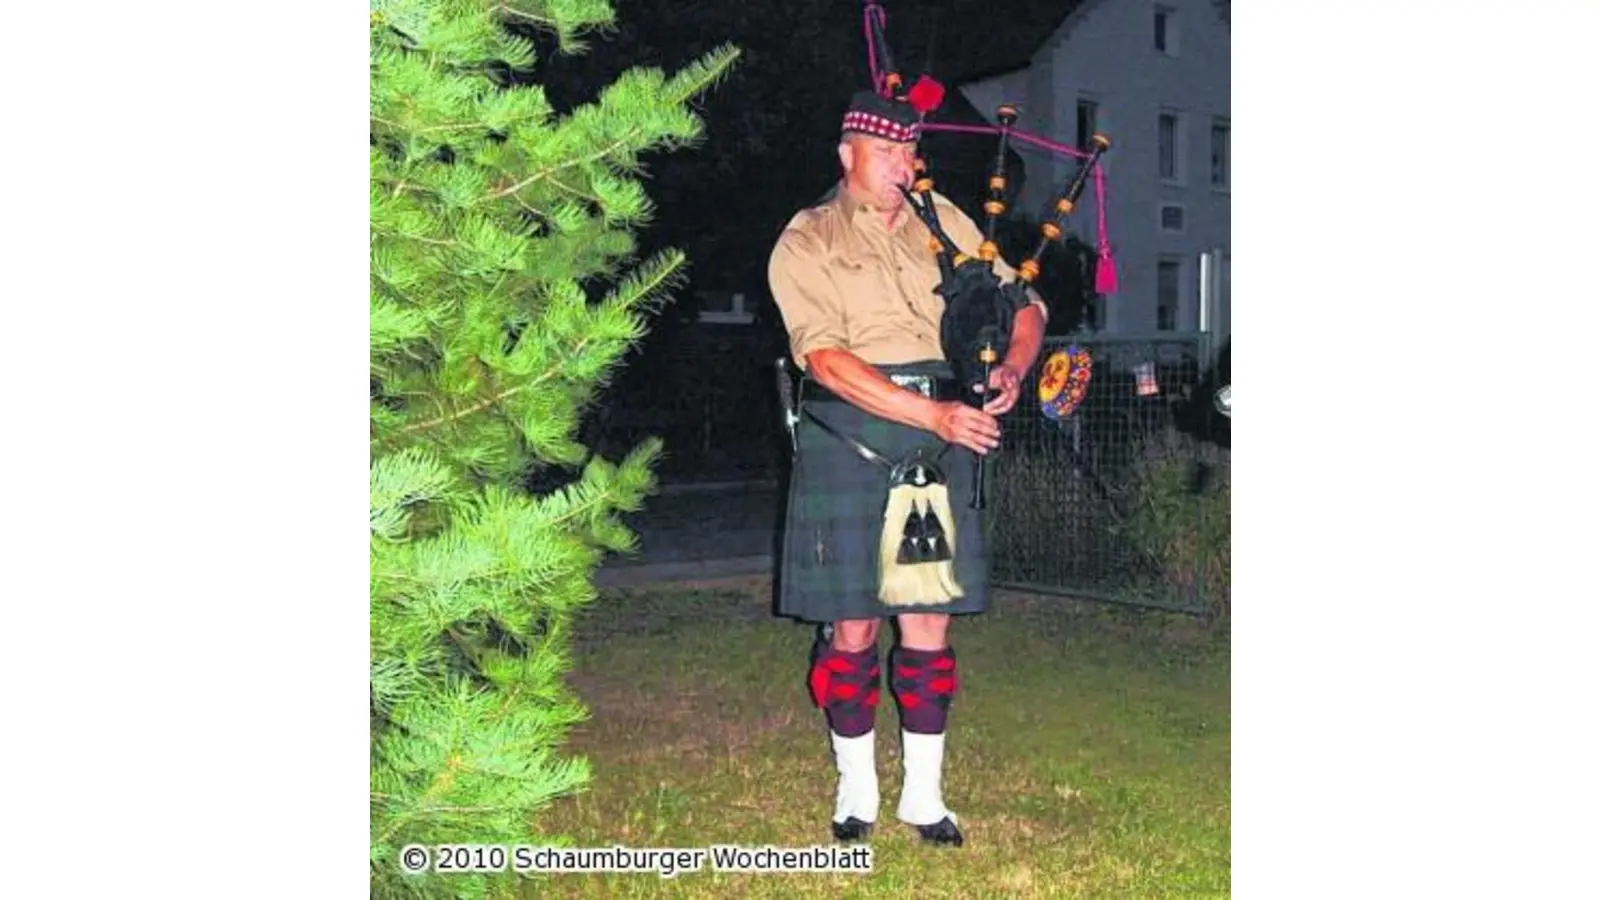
x=975 y=331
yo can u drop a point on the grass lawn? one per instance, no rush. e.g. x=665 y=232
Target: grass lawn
x=1088 y=753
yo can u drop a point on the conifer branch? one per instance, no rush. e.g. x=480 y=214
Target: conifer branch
x=460 y=126
x=540 y=175
x=493 y=399
x=461 y=809
x=582 y=195
x=457 y=126
x=487 y=402
x=441 y=782
x=700 y=75
x=530 y=207
x=416 y=237
x=478 y=407
x=401 y=186
x=505 y=7
x=598 y=500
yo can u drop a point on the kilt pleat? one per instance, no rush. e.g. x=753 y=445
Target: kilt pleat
x=829 y=558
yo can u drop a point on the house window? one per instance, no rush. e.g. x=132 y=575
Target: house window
x=1219 y=153
x=1169 y=148
x=1166 y=36
x=1167 y=273
x=1172 y=217
x=1088 y=113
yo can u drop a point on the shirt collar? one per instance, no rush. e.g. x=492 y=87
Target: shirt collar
x=854 y=208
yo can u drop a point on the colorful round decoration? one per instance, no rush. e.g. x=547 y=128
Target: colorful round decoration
x=1064 y=382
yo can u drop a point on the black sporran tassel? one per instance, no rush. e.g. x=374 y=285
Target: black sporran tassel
x=916 y=555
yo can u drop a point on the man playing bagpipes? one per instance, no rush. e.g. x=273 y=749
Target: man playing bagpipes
x=880 y=520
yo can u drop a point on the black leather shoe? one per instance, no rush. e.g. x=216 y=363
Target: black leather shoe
x=943 y=832
x=852 y=829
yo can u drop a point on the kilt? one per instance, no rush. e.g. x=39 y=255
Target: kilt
x=829 y=554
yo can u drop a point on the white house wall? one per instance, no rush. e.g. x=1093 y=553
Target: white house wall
x=989 y=94
x=1106 y=52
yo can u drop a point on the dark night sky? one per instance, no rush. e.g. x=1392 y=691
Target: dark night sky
x=770 y=127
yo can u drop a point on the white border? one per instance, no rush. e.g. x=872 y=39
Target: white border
x=1414 y=593
x=1415 y=602
x=185 y=371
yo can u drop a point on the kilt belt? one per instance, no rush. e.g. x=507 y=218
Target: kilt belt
x=927 y=385
x=933 y=388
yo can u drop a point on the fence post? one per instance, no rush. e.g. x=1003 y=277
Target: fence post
x=1210 y=291
x=1210 y=299
x=1210 y=296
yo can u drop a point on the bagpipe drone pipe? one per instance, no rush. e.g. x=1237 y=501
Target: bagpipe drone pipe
x=975 y=331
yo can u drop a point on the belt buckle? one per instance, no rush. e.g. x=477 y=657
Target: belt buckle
x=922 y=384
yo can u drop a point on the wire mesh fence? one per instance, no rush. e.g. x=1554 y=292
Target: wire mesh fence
x=1115 y=502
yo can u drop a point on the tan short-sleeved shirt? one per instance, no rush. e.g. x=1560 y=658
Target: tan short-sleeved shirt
x=842 y=280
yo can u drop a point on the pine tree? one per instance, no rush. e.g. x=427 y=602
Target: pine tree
x=505 y=291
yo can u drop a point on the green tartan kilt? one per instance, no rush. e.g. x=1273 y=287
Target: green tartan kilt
x=829 y=558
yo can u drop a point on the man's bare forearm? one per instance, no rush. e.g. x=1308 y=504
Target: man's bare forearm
x=855 y=380
x=1027 y=337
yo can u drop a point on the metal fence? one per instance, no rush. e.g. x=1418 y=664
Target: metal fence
x=1120 y=502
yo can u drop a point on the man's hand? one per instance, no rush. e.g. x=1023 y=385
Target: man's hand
x=972 y=428
x=1008 y=381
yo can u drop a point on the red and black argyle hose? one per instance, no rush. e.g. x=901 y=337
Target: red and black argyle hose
x=924 y=683
x=845 y=686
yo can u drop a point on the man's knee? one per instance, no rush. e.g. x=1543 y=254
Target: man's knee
x=924 y=631
x=855 y=635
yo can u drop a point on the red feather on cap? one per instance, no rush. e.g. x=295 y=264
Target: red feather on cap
x=926 y=95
